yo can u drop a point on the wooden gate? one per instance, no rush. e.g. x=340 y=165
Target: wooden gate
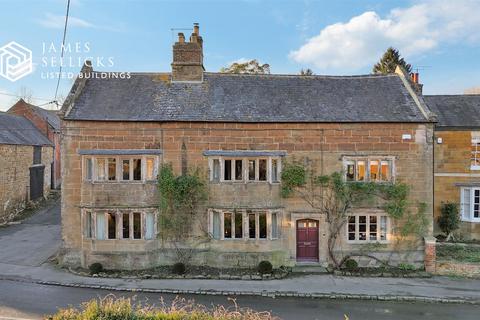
x=36 y=181
x=307 y=240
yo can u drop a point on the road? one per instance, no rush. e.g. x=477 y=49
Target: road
x=33 y=301
x=31 y=243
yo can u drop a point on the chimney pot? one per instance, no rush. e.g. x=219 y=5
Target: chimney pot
x=181 y=37
x=196 y=28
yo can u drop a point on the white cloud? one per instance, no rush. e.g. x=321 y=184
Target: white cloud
x=413 y=30
x=58 y=22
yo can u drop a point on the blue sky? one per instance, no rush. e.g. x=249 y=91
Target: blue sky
x=440 y=37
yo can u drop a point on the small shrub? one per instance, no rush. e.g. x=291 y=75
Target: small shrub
x=95 y=268
x=265 y=267
x=449 y=220
x=179 y=268
x=406 y=267
x=351 y=264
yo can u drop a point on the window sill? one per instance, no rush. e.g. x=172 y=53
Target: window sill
x=471 y=220
x=122 y=182
x=244 y=182
x=368 y=242
x=474 y=168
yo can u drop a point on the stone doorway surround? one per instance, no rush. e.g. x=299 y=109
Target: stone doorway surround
x=322 y=237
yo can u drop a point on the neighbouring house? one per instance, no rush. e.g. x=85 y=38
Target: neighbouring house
x=457 y=158
x=25 y=157
x=48 y=122
x=239 y=130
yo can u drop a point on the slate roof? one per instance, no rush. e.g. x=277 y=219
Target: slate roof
x=455 y=110
x=247 y=98
x=52 y=118
x=19 y=130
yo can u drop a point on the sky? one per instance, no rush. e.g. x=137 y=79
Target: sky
x=439 y=38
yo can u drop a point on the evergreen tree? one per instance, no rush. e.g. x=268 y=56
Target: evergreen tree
x=389 y=61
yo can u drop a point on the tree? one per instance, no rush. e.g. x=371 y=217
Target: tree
x=449 y=220
x=389 y=61
x=249 y=67
x=306 y=72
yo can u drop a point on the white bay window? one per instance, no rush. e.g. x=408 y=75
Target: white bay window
x=470 y=204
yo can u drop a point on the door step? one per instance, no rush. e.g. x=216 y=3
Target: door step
x=309 y=268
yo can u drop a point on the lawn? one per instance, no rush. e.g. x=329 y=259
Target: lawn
x=460 y=253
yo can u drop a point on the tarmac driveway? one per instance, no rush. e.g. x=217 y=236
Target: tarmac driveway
x=33 y=241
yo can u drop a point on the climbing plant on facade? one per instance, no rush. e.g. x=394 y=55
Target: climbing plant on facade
x=335 y=198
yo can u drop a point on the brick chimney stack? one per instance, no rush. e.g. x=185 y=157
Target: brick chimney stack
x=187 y=62
x=415 y=79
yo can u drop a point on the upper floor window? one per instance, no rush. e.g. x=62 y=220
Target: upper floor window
x=223 y=169
x=475 y=154
x=120 y=168
x=368 y=169
x=470 y=204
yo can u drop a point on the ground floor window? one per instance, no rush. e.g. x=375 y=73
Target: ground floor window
x=119 y=224
x=470 y=204
x=367 y=228
x=244 y=224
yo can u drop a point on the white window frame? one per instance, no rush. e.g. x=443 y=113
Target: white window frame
x=119 y=223
x=349 y=160
x=119 y=168
x=469 y=215
x=245 y=169
x=245 y=223
x=475 y=154
x=368 y=215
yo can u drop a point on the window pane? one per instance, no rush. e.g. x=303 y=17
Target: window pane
x=37 y=155
x=150 y=169
x=137 y=225
x=476 y=203
x=262 y=223
x=475 y=158
x=112 y=169
x=112 y=225
x=227 y=225
x=126 y=169
x=100 y=227
x=216 y=225
x=88 y=168
x=88 y=225
x=465 y=203
x=351 y=228
x=216 y=170
x=350 y=174
x=362 y=228
x=137 y=169
x=125 y=226
x=385 y=171
x=149 y=225
x=101 y=169
x=383 y=228
x=227 y=170
x=238 y=170
x=238 y=225
x=373 y=228
x=274 y=225
x=262 y=169
x=251 y=226
x=251 y=169
x=274 y=170
x=374 y=170
x=361 y=170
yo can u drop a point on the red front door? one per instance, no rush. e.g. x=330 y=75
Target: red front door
x=307 y=240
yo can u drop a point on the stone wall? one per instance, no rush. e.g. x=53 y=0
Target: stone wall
x=321 y=145
x=15 y=161
x=452 y=169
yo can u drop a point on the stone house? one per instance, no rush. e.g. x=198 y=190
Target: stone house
x=457 y=158
x=25 y=157
x=48 y=122
x=238 y=130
